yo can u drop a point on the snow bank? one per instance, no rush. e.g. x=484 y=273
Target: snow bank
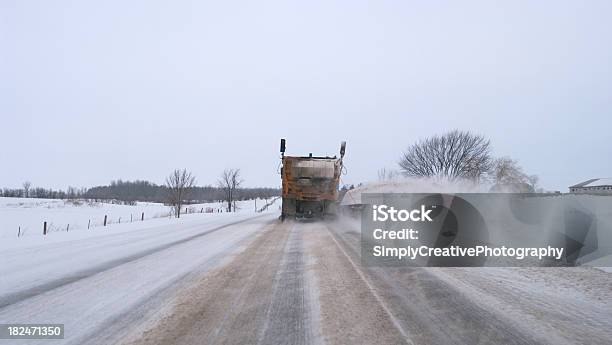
x=413 y=185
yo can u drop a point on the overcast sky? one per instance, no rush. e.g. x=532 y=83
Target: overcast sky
x=96 y=91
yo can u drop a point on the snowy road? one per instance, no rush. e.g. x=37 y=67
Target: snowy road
x=302 y=283
x=570 y=305
x=243 y=279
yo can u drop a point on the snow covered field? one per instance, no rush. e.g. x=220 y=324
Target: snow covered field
x=86 y=279
x=26 y=216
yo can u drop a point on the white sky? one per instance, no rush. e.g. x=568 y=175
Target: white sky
x=95 y=91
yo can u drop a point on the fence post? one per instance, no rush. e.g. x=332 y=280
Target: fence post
x=131 y=219
x=119 y=220
x=88 y=223
x=104 y=220
x=45 y=228
x=67 y=227
x=19 y=233
x=142 y=219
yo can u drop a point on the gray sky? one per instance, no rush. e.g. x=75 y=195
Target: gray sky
x=95 y=91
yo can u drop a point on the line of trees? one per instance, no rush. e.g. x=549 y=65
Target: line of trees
x=43 y=193
x=132 y=191
x=147 y=191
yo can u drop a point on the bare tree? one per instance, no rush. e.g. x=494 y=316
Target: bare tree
x=72 y=192
x=385 y=174
x=456 y=154
x=230 y=181
x=179 y=185
x=533 y=181
x=506 y=170
x=507 y=174
x=26 y=189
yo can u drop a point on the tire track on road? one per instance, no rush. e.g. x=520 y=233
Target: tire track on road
x=350 y=312
x=434 y=311
x=288 y=318
x=371 y=289
x=231 y=304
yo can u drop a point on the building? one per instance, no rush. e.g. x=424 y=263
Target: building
x=593 y=186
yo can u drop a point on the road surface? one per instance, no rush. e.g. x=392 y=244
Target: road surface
x=251 y=279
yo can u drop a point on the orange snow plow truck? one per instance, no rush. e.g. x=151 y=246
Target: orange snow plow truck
x=310 y=184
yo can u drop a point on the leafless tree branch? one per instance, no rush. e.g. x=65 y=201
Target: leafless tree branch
x=456 y=154
x=179 y=185
x=230 y=181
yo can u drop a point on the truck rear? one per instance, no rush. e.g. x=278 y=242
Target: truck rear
x=310 y=184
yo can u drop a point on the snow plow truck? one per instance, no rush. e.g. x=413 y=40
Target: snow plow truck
x=310 y=184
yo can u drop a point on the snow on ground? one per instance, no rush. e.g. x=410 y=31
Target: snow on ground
x=25 y=217
x=74 y=277
x=87 y=279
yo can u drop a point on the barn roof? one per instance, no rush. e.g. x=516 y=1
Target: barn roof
x=594 y=182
